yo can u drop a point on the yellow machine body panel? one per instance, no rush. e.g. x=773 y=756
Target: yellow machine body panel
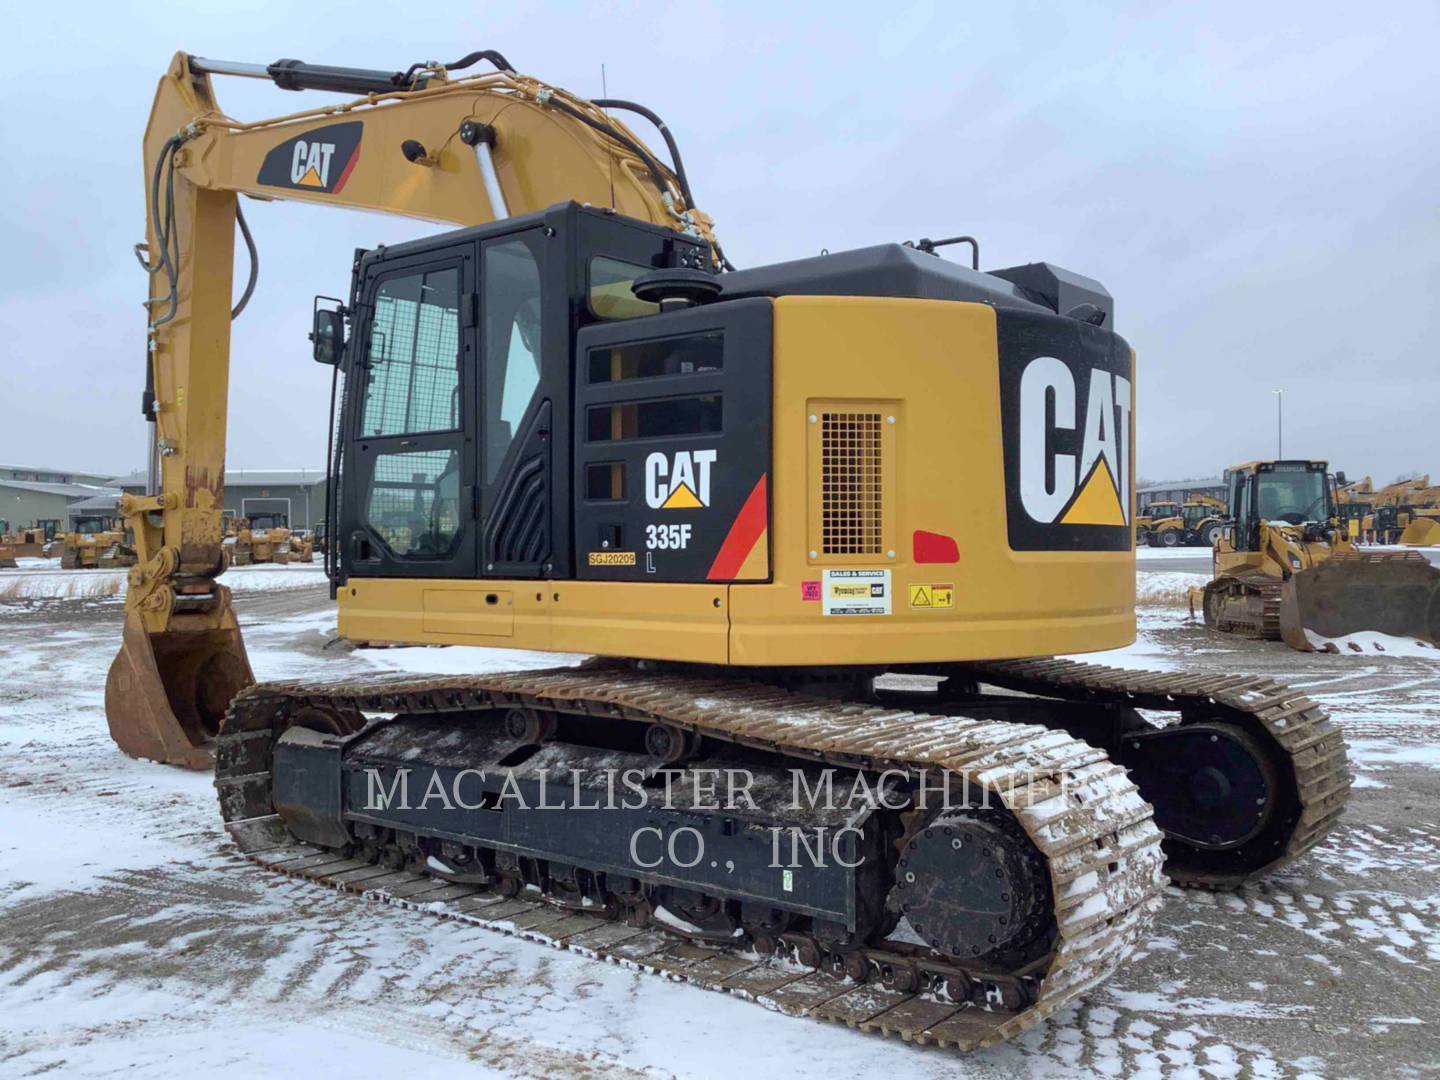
x=929 y=370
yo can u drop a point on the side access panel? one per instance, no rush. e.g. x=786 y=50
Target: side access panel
x=673 y=444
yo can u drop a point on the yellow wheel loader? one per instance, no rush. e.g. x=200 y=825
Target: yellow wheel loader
x=1285 y=570
x=1156 y=511
x=570 y=425
x=1195 y=524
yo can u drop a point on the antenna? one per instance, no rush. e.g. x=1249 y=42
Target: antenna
x=605 y=93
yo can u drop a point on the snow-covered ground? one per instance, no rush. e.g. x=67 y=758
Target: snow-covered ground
x=42 y=579
x=133 y=939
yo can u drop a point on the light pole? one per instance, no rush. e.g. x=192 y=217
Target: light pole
x=1279 y=422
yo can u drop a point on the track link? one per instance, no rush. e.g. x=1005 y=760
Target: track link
x=1300 y=735
x=1084 y=816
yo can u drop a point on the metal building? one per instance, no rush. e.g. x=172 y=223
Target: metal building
x=1179 y=491
x=25 y=503
x=299 y=494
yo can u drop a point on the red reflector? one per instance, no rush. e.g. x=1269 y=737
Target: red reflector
x=931 y=547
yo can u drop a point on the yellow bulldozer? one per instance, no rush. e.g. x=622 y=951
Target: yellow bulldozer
x=1196 y=523
x=96 y=541
x=1286 y=570
x=261 y=538
x=571 y=425
x=31 y=541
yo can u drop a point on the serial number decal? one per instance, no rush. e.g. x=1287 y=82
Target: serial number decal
x=667 y=537
x=612 y=558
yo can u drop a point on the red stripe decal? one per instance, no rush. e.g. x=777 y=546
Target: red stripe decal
x=345 y=175
x=747 y=528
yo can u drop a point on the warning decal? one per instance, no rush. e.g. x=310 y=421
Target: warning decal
x=855 y=592
x=932 y=596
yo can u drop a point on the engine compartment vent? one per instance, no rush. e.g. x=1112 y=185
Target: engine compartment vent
x=852 y=510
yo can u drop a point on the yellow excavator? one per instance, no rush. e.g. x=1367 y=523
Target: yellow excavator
x=570 y=425
x=1285 y=570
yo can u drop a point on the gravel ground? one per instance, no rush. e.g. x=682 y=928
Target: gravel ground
x=133 y=938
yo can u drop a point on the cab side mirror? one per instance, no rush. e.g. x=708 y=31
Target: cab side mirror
x=327 y=334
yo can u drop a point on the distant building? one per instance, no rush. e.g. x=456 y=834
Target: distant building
x=45 y=504
x=299 y=494
x=1179 y=491
x=34 y=474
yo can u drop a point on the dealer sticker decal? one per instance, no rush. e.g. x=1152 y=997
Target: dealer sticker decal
x=855 y=592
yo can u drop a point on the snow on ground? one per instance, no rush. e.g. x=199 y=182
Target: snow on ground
x=1167 y=587
x=46 y=581
x=1370 y=641
x=463 y=659
x=1145 y=554
x=134 y=939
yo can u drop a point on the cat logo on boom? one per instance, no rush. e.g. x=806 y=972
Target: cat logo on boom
x=320 y=160
x=680 y=481
x=1069 y=458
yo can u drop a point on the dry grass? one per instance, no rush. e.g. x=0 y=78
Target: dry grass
x=77 y=586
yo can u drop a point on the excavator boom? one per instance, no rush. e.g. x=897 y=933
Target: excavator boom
x=421 y=143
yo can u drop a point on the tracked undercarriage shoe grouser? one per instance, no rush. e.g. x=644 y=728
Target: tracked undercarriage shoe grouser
x=818 y=523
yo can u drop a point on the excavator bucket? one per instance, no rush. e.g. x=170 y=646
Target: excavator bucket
x=1421 y=532
x=167 y=693
x=1389 y=593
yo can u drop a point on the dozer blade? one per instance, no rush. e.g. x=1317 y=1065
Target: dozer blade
x=1396 y=594
x=167 y=693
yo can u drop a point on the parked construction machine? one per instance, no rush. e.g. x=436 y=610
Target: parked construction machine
x=1195 y=524
x=31 y=541
x=261 y=538
x=95 y=541
x=1286 y=570
x=1156 y=511
x=569 y=426
x=302 y=546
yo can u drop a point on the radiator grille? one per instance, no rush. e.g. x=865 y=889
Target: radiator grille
x=851 y=510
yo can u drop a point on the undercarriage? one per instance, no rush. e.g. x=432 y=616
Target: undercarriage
x=948 y=879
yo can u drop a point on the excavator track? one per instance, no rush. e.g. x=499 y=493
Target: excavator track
x=1305 y=747
x=1095 y=835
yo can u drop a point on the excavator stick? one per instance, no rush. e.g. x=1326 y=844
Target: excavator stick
x=1396 y=593
x=167 y=692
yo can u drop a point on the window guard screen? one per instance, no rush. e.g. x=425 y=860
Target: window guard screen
x=414 y=360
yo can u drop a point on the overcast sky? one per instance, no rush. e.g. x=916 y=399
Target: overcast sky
x=1258 y=184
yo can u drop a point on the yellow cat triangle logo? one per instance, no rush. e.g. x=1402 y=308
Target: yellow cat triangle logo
x=311 y=179
x=682 y=498
x=1097 y=503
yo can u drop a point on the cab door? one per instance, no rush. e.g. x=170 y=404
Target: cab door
x=408 y=503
